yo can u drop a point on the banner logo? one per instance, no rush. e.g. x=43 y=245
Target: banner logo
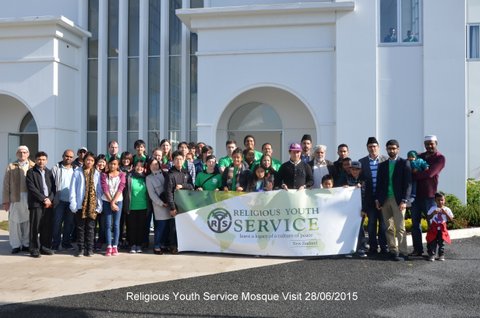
x=219 y=220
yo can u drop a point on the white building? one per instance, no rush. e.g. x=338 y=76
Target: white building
x=76 y=73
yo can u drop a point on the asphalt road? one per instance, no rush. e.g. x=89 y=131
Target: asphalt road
x=324 y=287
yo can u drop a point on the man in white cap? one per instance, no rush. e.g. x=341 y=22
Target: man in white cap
x=15 y=200
x=294 y=174
x=427 y=182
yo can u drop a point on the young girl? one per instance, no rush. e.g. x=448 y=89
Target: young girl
x=259 y=182
x=156 y=191
x=113 y=183
x=126 y=166
x=209 y=179
x=101 y=166
x=437 y=231
x=166 y=147
x=235 y=177
x=85 y=202
x=137 y=216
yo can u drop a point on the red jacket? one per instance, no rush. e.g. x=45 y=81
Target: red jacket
x=432 y=232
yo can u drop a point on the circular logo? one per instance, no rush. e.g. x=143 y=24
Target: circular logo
x=219 y=220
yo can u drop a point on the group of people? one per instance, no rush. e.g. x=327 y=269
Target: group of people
x=111 y=200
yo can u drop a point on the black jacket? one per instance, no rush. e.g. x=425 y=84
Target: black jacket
x=294 y=176
x=402 y=181
x=174 y=177
x=35 y=187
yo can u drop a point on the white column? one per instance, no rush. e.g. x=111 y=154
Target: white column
x=164 y=68
x=143 y=72
x=102 y=99
x=185 y=80
x=122 y=75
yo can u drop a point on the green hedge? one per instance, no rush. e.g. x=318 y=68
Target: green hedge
x=466 y=215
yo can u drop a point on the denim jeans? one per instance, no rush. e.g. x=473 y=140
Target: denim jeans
x=112 y=222
x=62 y=214
x=375 y=220
x=161 y=233
x=420 y=208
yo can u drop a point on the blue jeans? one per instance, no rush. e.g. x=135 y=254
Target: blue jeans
x=420 y=208
x=63 y=214
x=160 y=233
x=112 y=219
x=375 y=220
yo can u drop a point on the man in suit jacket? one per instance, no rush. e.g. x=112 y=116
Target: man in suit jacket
x=375 y=219
x=320 y=165
x=41 y=191
x=394 y=183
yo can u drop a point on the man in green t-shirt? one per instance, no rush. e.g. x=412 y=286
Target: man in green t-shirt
x=226 y=161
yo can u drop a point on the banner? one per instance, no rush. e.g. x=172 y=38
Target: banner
x=273 y=223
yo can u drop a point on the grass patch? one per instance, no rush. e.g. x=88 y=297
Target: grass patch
x=4 y=225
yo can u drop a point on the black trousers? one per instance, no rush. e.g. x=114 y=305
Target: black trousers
x=41 y=228
x=136 y=229
x=85 y=232
x=432 y=246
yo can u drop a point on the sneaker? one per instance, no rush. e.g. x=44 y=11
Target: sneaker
x=114 y=251
x=361 y=254
x=441 y=258
x=133 y=249
x=108 y=251
x=139 y=249
x=80 y=253
x=431 y=258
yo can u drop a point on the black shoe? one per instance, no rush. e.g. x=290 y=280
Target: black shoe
x=25 y=248
x=35 y=253
x=88 y=253
x=68 y=247
x=79 y=253
x=400 y=258
x=16 y=250
x=173 y=250
x=415 y=253
x=46 y=251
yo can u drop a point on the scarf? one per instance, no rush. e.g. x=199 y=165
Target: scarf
x=90 y=200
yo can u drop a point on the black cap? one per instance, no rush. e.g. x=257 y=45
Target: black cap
x=372 y=140
x=306 y=137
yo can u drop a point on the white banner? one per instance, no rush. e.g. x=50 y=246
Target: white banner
x=275 y=223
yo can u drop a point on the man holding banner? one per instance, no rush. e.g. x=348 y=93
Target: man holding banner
x=295 y=174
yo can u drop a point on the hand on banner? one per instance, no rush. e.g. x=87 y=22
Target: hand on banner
x=6 y=206
x=173 y=213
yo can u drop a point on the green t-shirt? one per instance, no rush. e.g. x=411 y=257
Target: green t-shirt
x=225 y=162
x=391 y=167
x=138 y=197
x=208 y=182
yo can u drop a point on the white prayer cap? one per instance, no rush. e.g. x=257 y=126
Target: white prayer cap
x=24 y=148
x=431 y=138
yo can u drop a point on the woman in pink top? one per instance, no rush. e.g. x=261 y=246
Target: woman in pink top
x=113 y=183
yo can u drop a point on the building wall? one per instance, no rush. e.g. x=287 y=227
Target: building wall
x=473 y=99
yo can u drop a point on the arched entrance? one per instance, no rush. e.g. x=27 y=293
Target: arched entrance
x=257 y=119
x=270 y=114
x=18 y=127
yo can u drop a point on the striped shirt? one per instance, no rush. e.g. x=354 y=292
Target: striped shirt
x=373 y=169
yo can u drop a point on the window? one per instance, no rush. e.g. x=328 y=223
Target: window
x=400 y=21
x=473 y=44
